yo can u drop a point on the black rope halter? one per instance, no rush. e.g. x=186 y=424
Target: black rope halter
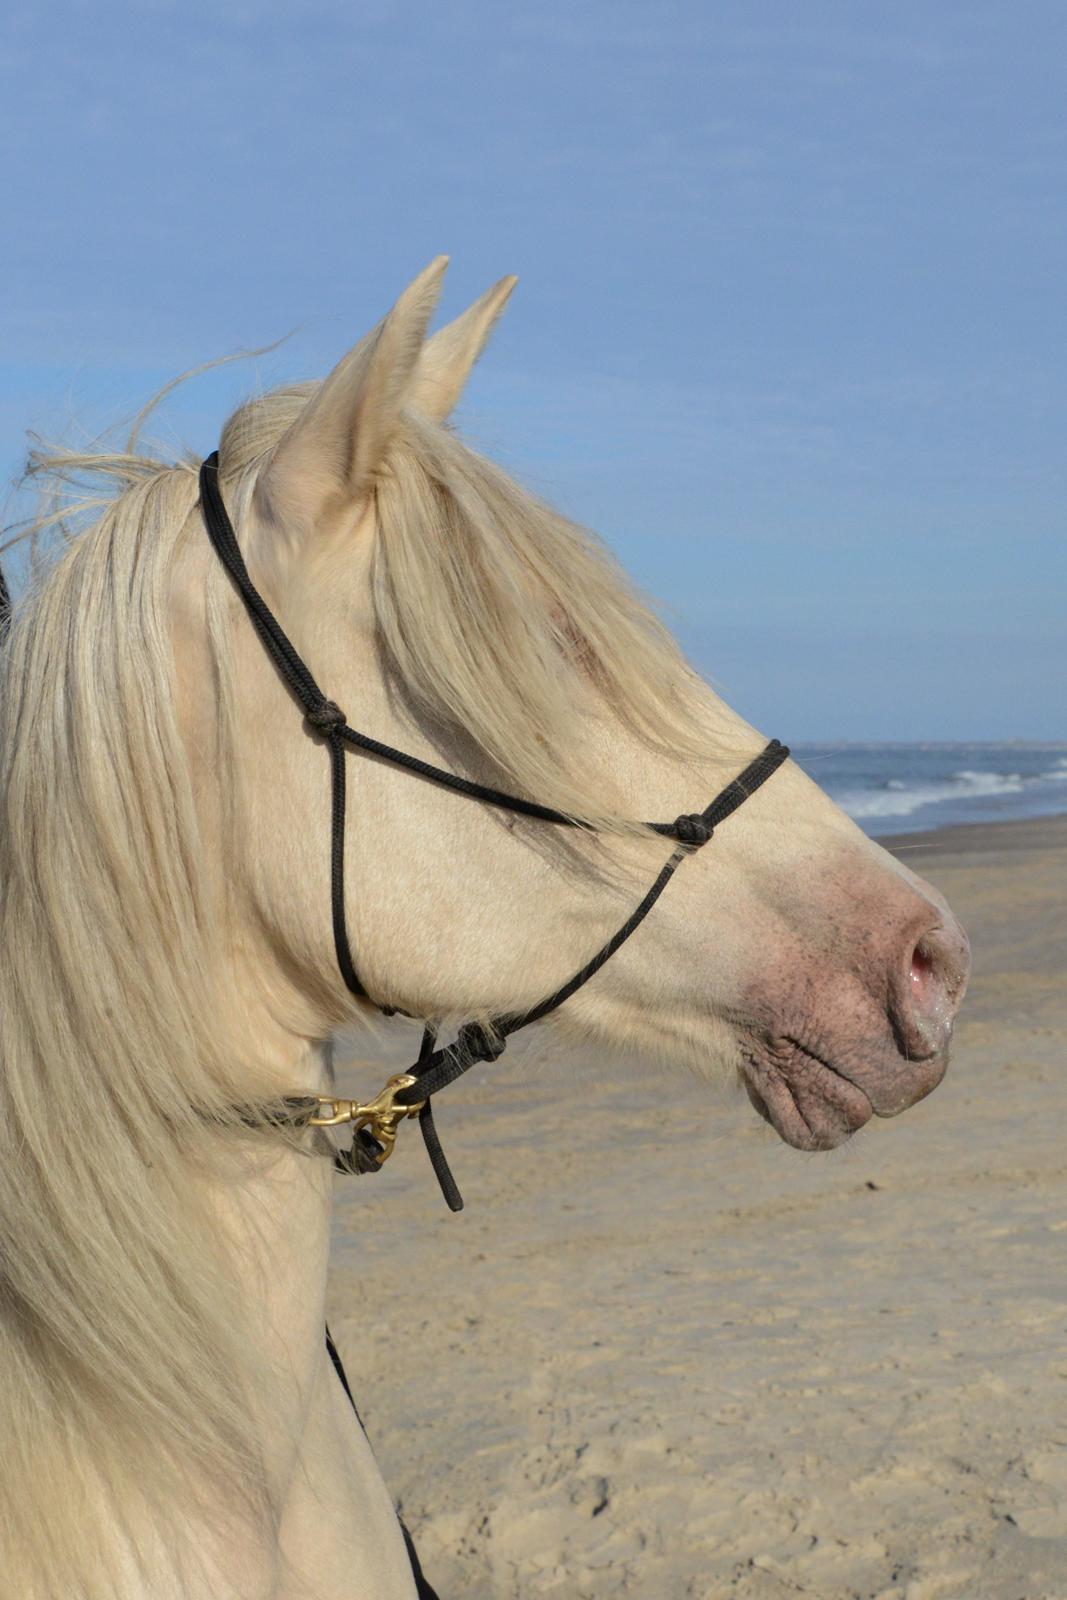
x=437 y=1067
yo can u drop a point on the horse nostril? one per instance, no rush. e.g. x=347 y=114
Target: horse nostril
x=922 y=965
x=937 y=975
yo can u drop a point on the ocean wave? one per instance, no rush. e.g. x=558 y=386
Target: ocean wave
x=902 y=801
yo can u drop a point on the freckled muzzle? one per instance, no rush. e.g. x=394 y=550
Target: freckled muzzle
x=865 y=1032
x=809 y=1105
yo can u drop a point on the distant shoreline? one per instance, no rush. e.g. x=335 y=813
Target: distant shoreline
x=1010 y=836
x=928 y=744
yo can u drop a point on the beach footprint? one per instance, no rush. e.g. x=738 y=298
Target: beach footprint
x=1041 y=1511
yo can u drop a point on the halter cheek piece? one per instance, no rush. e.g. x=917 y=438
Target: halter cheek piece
x=410 y=1094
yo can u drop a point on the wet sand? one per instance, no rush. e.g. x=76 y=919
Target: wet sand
x=661 y=1355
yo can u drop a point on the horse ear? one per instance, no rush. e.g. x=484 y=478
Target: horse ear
x=446 y=360
x=328 y=457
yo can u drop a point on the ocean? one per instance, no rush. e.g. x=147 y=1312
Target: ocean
x=908 y=788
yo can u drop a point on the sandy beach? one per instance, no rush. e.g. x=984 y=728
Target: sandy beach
x=662 y=1355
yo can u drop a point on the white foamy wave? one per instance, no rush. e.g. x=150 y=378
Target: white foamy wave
x=1058 y=773
x=901 y=800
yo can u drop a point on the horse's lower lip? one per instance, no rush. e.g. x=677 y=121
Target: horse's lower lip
x=819 y=1111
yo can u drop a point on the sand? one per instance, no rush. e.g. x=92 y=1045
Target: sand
x=662 y=1355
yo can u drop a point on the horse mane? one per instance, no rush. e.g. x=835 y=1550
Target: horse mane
x=124 y=1354
x=502 y=618
x=124 y=1358
x=496 y=616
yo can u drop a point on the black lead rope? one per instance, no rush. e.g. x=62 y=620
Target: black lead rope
x=475 y=1041
x=423 y=1589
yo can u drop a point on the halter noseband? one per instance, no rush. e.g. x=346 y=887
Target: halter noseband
x=409 y=1094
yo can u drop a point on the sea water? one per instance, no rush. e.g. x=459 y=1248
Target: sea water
x=905 y=788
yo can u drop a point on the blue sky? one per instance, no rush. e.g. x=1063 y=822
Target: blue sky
x=790 y=325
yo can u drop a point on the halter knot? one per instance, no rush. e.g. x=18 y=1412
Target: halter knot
x=691 y=829
x=478 y=1044
x=325 y=717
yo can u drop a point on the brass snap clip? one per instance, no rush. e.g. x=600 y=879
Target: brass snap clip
x=380 y=1116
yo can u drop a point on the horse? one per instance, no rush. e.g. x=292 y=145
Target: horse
x=172 y=1424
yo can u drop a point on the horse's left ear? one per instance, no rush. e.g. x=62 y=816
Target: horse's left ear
x=325 y=464
x=446 y=359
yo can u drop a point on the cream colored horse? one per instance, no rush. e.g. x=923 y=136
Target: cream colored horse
x=171 y=1426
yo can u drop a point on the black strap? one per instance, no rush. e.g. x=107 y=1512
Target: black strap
x=428 y=1128
x=486 y=1041
x=5 y=607
x=423 y=1589
x=476 y=1041
x=279 y=647
x=321 y=715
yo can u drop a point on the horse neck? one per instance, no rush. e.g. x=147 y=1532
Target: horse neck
x=318 y=1458
x=277 y=1215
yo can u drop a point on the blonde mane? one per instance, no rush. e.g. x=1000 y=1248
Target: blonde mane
x=123 y=1348
x=495 y=614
